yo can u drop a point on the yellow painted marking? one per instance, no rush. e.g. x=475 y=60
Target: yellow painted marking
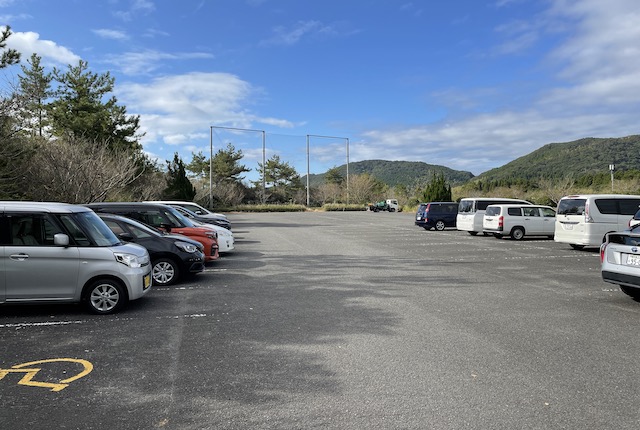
x=30 y=373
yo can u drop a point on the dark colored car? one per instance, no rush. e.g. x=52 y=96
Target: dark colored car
x=164 y=218
x=172 y=255
x=437 y=215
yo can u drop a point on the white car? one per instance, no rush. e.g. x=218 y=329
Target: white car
x=518 y=221
x=193 y=207
x=620 y=257
x=226 y=240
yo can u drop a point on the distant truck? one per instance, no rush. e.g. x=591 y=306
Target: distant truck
x=389 y=205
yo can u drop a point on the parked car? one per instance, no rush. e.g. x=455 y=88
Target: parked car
x=518 y=221
x=61 y=253
x=226 y=240
x=620 y=258
x=584 y=219
x=217 y=218
x=437 y=215
x=173 y=256
x=471 y=212
x=165 y=218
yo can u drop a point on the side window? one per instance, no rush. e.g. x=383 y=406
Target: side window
x=75 y=231
x=32 y=229
x=607 y=206
x=114 y=226
x=514 y=211
x=153 y=218
x=531 y=211
x=628 y=206
x=548 y=213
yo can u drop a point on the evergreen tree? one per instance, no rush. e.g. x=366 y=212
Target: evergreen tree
x=282 y=180
x=333 y=176
x=199 y=165
x=33 y=94
x=437 y=190
x=80 y=109
x=226 y=167
x=9 y=56
x=179 y=187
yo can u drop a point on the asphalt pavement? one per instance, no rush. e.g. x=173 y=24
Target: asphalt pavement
x=345 y=320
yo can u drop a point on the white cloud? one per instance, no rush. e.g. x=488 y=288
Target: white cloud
x=178 y=110
x=28 y=43
x=146 y=62
x=111 y=34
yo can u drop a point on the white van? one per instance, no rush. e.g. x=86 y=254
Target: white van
x=518 y=221
x=583 y=220
x=61 y=253
x=471 y=211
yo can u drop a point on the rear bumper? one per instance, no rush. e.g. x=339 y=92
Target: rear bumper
x=621 y=279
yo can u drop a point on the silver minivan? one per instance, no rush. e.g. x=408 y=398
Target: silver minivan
x=61 y=253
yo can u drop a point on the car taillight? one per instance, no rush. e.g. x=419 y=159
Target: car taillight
x=501 y=222
x=602 y=251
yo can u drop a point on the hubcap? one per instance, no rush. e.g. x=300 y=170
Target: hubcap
x=104 y=297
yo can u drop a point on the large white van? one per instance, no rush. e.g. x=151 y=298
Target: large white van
x=61 y=253
x=471 y=211
x=583 y=220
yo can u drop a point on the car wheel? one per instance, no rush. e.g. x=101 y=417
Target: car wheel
x=473 y=233
x=517 y=233
x=497 y=235
x=439 y=225
x=634 y=293
x=164 y=272
x=574 y=246
x=105 y=296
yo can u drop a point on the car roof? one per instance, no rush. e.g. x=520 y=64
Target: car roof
x=52 y=207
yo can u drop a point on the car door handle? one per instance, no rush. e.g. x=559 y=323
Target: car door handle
x=19 y=257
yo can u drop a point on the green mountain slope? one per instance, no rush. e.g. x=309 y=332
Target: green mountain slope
x=577 y=158
x=395 y=173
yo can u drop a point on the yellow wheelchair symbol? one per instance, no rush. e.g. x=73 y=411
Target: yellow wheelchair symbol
x=30 y=372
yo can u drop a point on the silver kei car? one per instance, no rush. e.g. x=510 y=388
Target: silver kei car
x=61 y=253
x=620 y=257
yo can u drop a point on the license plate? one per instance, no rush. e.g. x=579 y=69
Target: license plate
x=146 y=281
x=417 y=218
x=633 y=260
x=568 y=226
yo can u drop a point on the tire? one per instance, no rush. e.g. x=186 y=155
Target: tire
x=517 y=233
x=574 y=246
x=105 y=296
x=165 y=271
x=440 y=225
x=634 y=293
x=473 y=233
x=497 y=235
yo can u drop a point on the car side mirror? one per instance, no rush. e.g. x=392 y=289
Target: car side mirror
x=127 y=237
x=60 y=239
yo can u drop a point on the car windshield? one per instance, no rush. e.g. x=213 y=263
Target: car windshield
x=176 y=216
x=144 y=227
x=571 y=206
x=90 y=224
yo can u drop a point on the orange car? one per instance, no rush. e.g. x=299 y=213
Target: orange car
x=165 y=218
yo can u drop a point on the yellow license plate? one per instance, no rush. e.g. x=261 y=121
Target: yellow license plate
x=147 y=281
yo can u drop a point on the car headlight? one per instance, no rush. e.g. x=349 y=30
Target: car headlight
x=186 y=247
x=127 y=259
x=211 y=235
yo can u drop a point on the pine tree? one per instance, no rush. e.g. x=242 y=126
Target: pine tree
x=179 y=187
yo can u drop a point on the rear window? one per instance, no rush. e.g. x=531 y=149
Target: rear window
x=624 y=239
x=571 y=206
x=493 y=211
x=466 y=206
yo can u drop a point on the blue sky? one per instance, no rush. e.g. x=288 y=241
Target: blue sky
x=468 y=84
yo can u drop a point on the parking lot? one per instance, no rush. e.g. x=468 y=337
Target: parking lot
x=343 y=321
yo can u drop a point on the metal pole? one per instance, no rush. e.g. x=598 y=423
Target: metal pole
x=307 y=170
x=264 y=167
x=347 y=170
x=210 y=167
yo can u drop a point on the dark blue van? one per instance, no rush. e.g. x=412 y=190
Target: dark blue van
x=437 y=215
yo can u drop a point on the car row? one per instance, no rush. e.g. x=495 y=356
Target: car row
x=608 y=221
x=100 y=254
